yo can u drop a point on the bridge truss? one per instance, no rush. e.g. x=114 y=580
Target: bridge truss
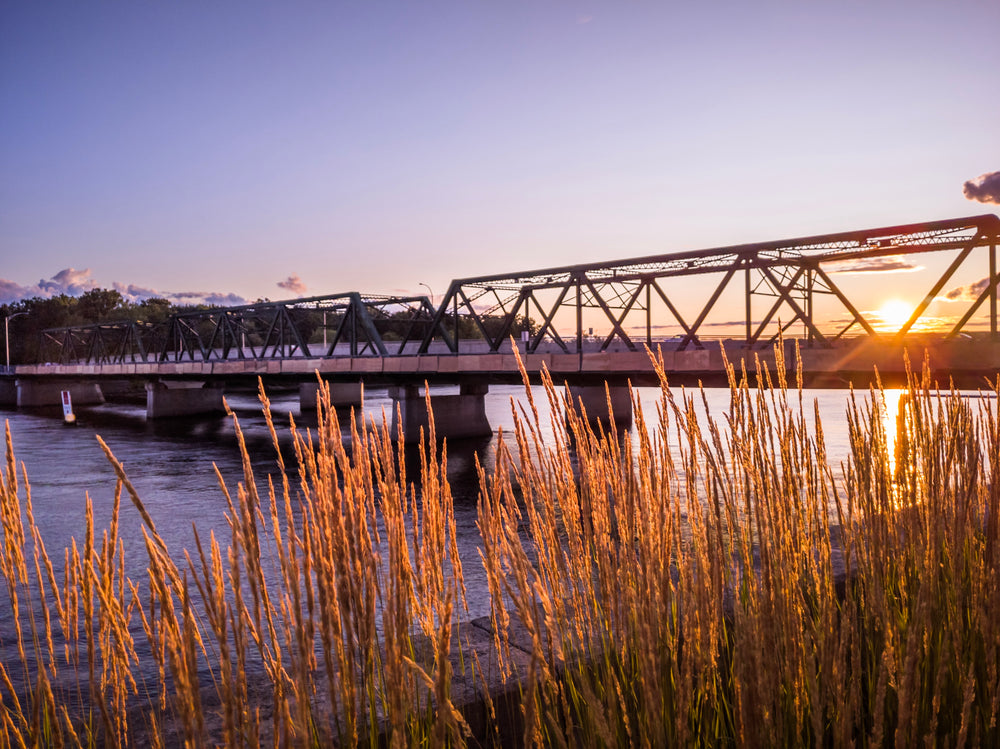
x=351 y=323
x=627 y=298
x=791 y=275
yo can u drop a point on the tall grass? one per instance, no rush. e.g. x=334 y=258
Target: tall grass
x=326 y=591
x=703 y=580
x=715 y=583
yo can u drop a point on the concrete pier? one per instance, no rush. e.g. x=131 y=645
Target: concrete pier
x=594 y=399
x=34 y=393
x=8 y=392
x=455 y=416
x=342 y=394
x=167 y=399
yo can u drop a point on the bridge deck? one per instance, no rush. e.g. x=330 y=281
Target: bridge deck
x=966 y=360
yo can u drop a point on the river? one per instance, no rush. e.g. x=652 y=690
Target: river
x=171 y=465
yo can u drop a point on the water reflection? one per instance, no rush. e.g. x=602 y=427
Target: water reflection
x=892 y=413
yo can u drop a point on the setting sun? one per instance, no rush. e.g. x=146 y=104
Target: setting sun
x=894 y=313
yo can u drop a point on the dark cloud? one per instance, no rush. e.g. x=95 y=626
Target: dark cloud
x=293 y=284
x=887 y=264
x=968 y=293
x=211 y=298
x=985 y=188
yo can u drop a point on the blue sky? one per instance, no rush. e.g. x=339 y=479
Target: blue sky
x=223 y=148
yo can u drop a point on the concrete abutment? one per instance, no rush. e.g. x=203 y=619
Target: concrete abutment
x=35 y=393
x=594 y=399
x=455 y=416
x=168 y=399
x=342 y=394
x=8 y=392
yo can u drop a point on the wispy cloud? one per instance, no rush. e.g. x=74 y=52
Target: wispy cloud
x=135 y=293
x=887 y=264
x=293 y=284
x=969 y=293
x=985 y=188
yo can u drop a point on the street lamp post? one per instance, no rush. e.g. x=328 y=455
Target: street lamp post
x=6 y=337
x=428 y=289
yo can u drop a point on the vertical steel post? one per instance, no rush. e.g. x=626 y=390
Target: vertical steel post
x=749 y=329
x=993 y=291
x=579 y=318
x=649 y=314
x=809 y=306
x=354 y=330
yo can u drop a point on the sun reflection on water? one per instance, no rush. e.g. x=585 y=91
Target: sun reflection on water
x=892 y=401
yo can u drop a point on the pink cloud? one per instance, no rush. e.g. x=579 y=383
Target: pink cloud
x=293 y=284
x=888 y=264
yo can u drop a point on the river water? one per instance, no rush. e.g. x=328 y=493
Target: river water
x=171 y=465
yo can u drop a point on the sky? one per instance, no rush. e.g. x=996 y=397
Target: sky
x=230 y=151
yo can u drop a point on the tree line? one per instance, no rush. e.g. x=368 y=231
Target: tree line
x=27 y=318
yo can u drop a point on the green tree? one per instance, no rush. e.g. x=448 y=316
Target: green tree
x=152 y=310
x=97 y=305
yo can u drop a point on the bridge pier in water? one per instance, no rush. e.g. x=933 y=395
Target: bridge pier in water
x=594 y=399
x=35 y=393
x=167 y=399
x=342 y=394
x=455 y=416
x=8 y=392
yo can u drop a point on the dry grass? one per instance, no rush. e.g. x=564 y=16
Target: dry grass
x=711 y=581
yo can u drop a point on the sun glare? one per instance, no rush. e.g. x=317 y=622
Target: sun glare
x=894 y=313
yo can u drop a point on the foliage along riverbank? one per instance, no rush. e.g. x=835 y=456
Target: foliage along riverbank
x=678 y=588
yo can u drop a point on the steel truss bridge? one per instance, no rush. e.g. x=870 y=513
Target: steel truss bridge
x=782 y=281
x=352 y=323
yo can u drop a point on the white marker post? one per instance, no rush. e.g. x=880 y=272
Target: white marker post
x=67 y=405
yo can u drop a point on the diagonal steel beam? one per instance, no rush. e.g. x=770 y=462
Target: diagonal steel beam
x=476 y=318
x=623 y=315
x=858 y=317
x=988 y=293
x=935 y=290
x=547 y=321
x=692 y=335
x=363 y=319
x=510 y=319
x=614 y=323
x=779 y=300
x=671 y=307
x=786 y=295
